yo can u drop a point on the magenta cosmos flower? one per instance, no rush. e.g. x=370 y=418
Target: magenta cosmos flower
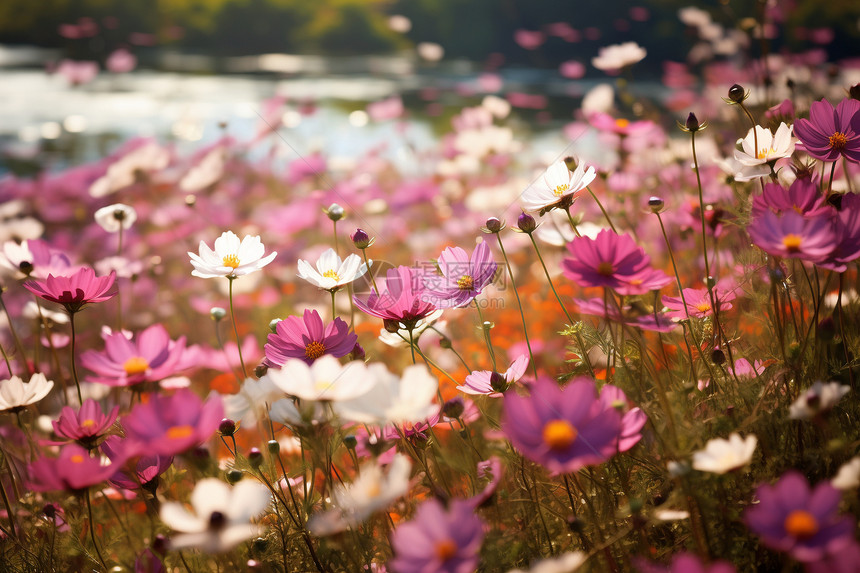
x=168 y=425
x=74 y=291
x=627 y=314
x=86 y=425
x=802 y=197
x=152 y=357
x=140 y=472
x=794 y=236
x=439 y=540
x=698 y=303
x=633 y=419
x=613 y=261
x=685 y=563
x=829 y=132
x=307 y=339
x=74 y=470
x=801 y=521
x=401 y=299
x=462 y=279
x=563 y=429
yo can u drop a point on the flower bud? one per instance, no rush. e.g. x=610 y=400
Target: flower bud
x=737 y=93
x=227 y=427
x=255 y=458
x=159 y=544
x=217 y=313
x=260 y=370
x=526 y=223
x=391 y=325
x=335 y=212
x=273 y=325
x=445 y=343
x=234 y=476
x=494 y=225
x=656 y=204
x=25 y=267
x=274 y=447
x=692 y=123
x=453 y=408
x=718 y=357
x=260 y=544
x=350 y=442
x=357 y=352
x=360 y=239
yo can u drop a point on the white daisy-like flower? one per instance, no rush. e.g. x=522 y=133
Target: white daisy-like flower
x=722 y=456
x=374 y=489
x=15 y=394
x=231 y=258
x=332 y=273
x=564 y=563
x=819 y=399
x=771 y=146
x=324 y=380
x=848 y=476
x=110 y=218
x=247 y=405
x=556 y=183
x=298 y=413
x=221 y=517
x=618 y=56
x=393 y=399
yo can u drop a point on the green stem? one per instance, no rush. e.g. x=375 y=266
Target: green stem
x=74 y=368
x=519 y=305
x=236 y=328
x=333 y=308
x=549 y=280
x=118 y=289
x=93 y=530
x=602 y=210
x=18 y=346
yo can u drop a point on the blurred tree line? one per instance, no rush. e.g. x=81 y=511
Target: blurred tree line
x=466 y=28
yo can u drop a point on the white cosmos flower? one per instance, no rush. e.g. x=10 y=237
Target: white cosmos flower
x=373 y=490
x=111 y=217
x=392 y=399
x=16 y=394
x=332 y=273
x=221 y=517
x=848 y=476
x=124 y=172
x=556 y=183
x=325 y=379
x=231 y=258
x=820 y=398
x=618 y=56
x=249 y=403
x=722 y=456
x=564 y=563
x=770 y=148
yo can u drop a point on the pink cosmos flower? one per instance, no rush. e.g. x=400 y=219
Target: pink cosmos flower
x=462 y=279
x=168 y=425
x=74 y=470
x=401 y=299
x=802 y=197
x=793 y=236
x=829 y=132
x=493 y=384
x=142 y=472
x=439 y=540
x=86 y=425
x=74 y=291
x=124 y=362
x=613 y=261
x=308 y=338
x=698 y=303
x=797 y=519
x=632 y=419
x=627 y=314
x=685 y=563
x=563 y=429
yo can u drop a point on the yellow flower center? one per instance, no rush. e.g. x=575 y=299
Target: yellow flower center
x=560 y=189
x=231 y=261
x=77 y=459
x=605 y=268
x=466 y=282
x=792 y=242
x=559 y=434
x=135 y=365
x=314 y=349
x=703 y=306
x=331 y=275
x=622 y=123
x=765 y=153
x=801 y=524
x=88 y=423
x=446 y=549
x=179 y=432
x=838 y=140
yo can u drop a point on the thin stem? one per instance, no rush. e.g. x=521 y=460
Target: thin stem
x=546 y=272
x=370 y=271
x=18 y=346
x=830 y=180
x=602 y=210
x=9 y=511
x=519 y=304
x=485 y=329
x=118 y=289
x=74 y=368
x=235 y=328
x=333 y=308
x=93 y=530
